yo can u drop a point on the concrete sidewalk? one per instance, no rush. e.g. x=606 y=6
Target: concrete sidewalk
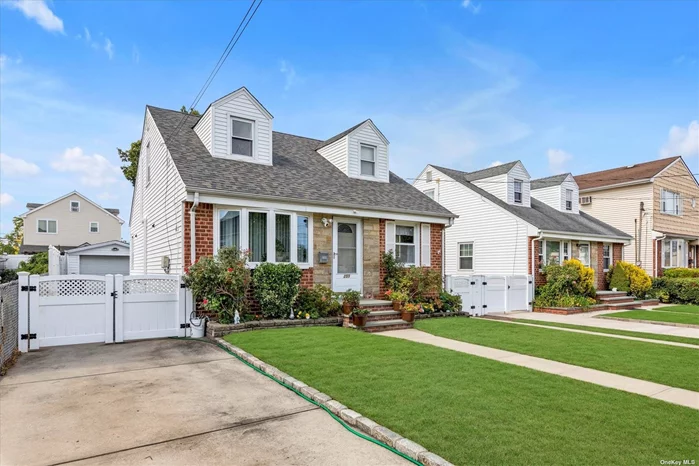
x=658 y=391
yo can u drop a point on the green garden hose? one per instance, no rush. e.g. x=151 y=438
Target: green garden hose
x=343 y=423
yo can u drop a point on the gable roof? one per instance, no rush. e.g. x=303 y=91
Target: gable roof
x=88 y=246
x=480 y=174
x=540 y=215
x=620 y=175
x=241 y=90
x=547 y=182
x=299 y=173
x=341 y=135
x=34 y=206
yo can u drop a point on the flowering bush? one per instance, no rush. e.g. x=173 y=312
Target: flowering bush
x=220 y=283
x=318 y=301
x=630 y=277
x=397 y=295
x=420 y=283
x=567 y=285
x=276 y=287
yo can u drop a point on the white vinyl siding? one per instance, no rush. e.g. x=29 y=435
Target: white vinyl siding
x=556 y=196
x=241 y=105
x=336 y=153
x=518 y=172
x=550 y=196
x=570 y=184
x=203 y=128
x=499 y=239
x=162 y=205
x=366 y=134
x=495 y=185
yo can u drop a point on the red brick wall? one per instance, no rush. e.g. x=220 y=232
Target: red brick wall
x=539 y=278
x=382 y=248
x=307 y=278
x=204 y=232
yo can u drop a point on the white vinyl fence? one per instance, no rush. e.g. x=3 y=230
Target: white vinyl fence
x=489 y=294
x=72 y=309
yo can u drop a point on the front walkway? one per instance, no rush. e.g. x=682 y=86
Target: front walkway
x=658 y=391
x=588 y=320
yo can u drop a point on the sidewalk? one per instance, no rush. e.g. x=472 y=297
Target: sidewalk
x=658 y=391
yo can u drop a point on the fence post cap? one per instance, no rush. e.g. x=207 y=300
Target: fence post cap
x=23 y=274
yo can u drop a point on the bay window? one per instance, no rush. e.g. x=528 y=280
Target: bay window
x=257 y=235
x=282 y=242
x=229 y=228
x=673 y=253
x=302 y=239
x=405 y=244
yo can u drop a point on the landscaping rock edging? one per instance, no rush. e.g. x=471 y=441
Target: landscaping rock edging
x=350 y=417
x=214 y=329
x=419 y=316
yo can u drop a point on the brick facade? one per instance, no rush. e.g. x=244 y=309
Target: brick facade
x=372 y=260
x=322 y=242
x=204 y=231
x=539 y=278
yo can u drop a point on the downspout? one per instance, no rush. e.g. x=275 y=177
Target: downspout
x=192 y=230
x=655 y=254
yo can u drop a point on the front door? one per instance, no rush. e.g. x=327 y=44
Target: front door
x=347 y=254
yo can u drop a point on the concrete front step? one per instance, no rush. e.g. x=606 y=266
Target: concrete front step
x=385 y=325
x=382 y=315
x=605 y=299
x=610 y=294
x=624 y=306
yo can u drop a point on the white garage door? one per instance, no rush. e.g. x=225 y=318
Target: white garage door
x=103 y=265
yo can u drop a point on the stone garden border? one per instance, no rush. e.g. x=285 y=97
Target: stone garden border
x=425 y=315
x=350 y=417
x=214 y=329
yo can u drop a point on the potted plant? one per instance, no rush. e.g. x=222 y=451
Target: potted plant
x=359 y=317
x=408 y=312
x=398 y=297
x=350 y=301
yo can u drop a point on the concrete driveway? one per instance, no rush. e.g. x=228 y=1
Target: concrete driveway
x=163 y=402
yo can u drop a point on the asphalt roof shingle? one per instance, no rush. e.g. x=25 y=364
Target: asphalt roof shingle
x=637 y=172
x=541 y=215
x=298 y=173
x=547 y=182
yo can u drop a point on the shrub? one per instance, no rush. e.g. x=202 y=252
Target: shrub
x=7 y=275
x=220 y=283
x=393 y=269
x=630 y=277
x=420 y=283
x=619 y=278
x=548 y=296
x=361 y=311
x=318 y=301
x=37 y=264
x=677 y=290
x=276 y=287
x=352 y=298
x=572 y=278
x=447 y=302
x=681 y=273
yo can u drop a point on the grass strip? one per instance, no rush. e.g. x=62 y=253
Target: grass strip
x=472 y=410
x=687 y=309
x=656 y=316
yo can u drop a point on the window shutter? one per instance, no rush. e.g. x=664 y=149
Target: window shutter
x=426 y=250
x=390 y=236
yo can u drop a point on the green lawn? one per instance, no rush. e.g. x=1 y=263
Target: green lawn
x=472 y=410
x=669 y=365
x=613 y=331
x=676 y=317
x=687 y=308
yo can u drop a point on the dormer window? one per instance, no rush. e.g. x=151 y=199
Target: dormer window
x=569 y=199
x=368 y=160
x=518 y=191
x=75 y=206
x=428 y=176
x=241 y=137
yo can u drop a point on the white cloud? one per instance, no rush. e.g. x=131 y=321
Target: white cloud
x=109 y=48
x=6 y=199
x=471 y=6
x=495 y=164
x=106 y=196
x=682 y=141
x=39 y=11
x=11 y=166
x=558 y=160
x=94 y=170
x=88 y=36
x=289 y=73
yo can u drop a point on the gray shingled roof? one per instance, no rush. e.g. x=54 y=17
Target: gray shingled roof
x=555 y=180
x=481 y=174
x=541 y=215
x=327 y=142
x=114 y=212
x=299 y=173
x=33 y=205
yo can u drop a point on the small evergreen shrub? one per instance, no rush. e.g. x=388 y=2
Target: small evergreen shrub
x=619 y=278
x=276 y=287
x=681 y=272
x=316 y=302
x=677 y=290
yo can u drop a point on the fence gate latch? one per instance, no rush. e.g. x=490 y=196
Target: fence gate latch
x=473 y=307
x=28 y=288
x=485 y=283
x=184 y=325
x=113 y=294
x=484 y=306
x=28 y=336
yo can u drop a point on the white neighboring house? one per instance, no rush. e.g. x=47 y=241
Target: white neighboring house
x=110 y=257
x=505 y=220
x=70 y=221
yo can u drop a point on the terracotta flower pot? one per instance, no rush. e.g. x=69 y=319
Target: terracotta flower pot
x=407 y=316
x=359 y=320
x=397 y=305
x=346 y=308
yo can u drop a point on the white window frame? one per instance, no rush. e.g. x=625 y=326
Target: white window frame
x=47 y=220
x=428 y=176
x=609 y=255
x=589 y=253
x=521 y=191
x=569 y=199
x=374 y=150
x=680 y=253
x=675 y=198
x=230 y=138
x=89 y=227
x=271 y=233
x=70 y=206
x=416 y=242
x=429 y=193
x=459 y=256
x=566 y=251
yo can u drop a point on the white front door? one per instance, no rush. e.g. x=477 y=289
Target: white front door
x=347 y=254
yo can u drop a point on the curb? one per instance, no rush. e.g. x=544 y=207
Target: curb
x=347 y=416
x=641 y=321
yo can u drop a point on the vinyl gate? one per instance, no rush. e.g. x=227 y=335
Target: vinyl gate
x=489 y=294
x=73 y=309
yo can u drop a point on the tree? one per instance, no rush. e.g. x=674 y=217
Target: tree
x=130 y=156
x=37 y=264
x=13 y=240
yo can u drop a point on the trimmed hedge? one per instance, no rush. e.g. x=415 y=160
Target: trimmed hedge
x=677 y=290
x=681 y=273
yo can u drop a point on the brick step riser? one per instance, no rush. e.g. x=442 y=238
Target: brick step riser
x=612 y=295
x=627 y=299
x=371 y=318
x=378 y=308
x=386 y=328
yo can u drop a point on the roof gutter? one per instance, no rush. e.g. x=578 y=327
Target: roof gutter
x=617 y=185
x=192 y=229
x=587 y=236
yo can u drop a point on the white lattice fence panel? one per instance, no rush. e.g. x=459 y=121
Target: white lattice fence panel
x=150 y=286
x=72 y=287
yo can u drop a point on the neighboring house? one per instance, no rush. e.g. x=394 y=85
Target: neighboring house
x=99 y=259
x=512 y=225
x=227 y=179
x=657 y=203
x=68 y=222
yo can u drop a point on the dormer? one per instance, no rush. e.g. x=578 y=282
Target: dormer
x=509 y=182
x=237 y=127
x=359 y=152
x=558 y=191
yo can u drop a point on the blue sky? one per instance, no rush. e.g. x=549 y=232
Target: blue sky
x=563 y=86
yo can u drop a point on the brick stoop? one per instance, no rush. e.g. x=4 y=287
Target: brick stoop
x=385 y=325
